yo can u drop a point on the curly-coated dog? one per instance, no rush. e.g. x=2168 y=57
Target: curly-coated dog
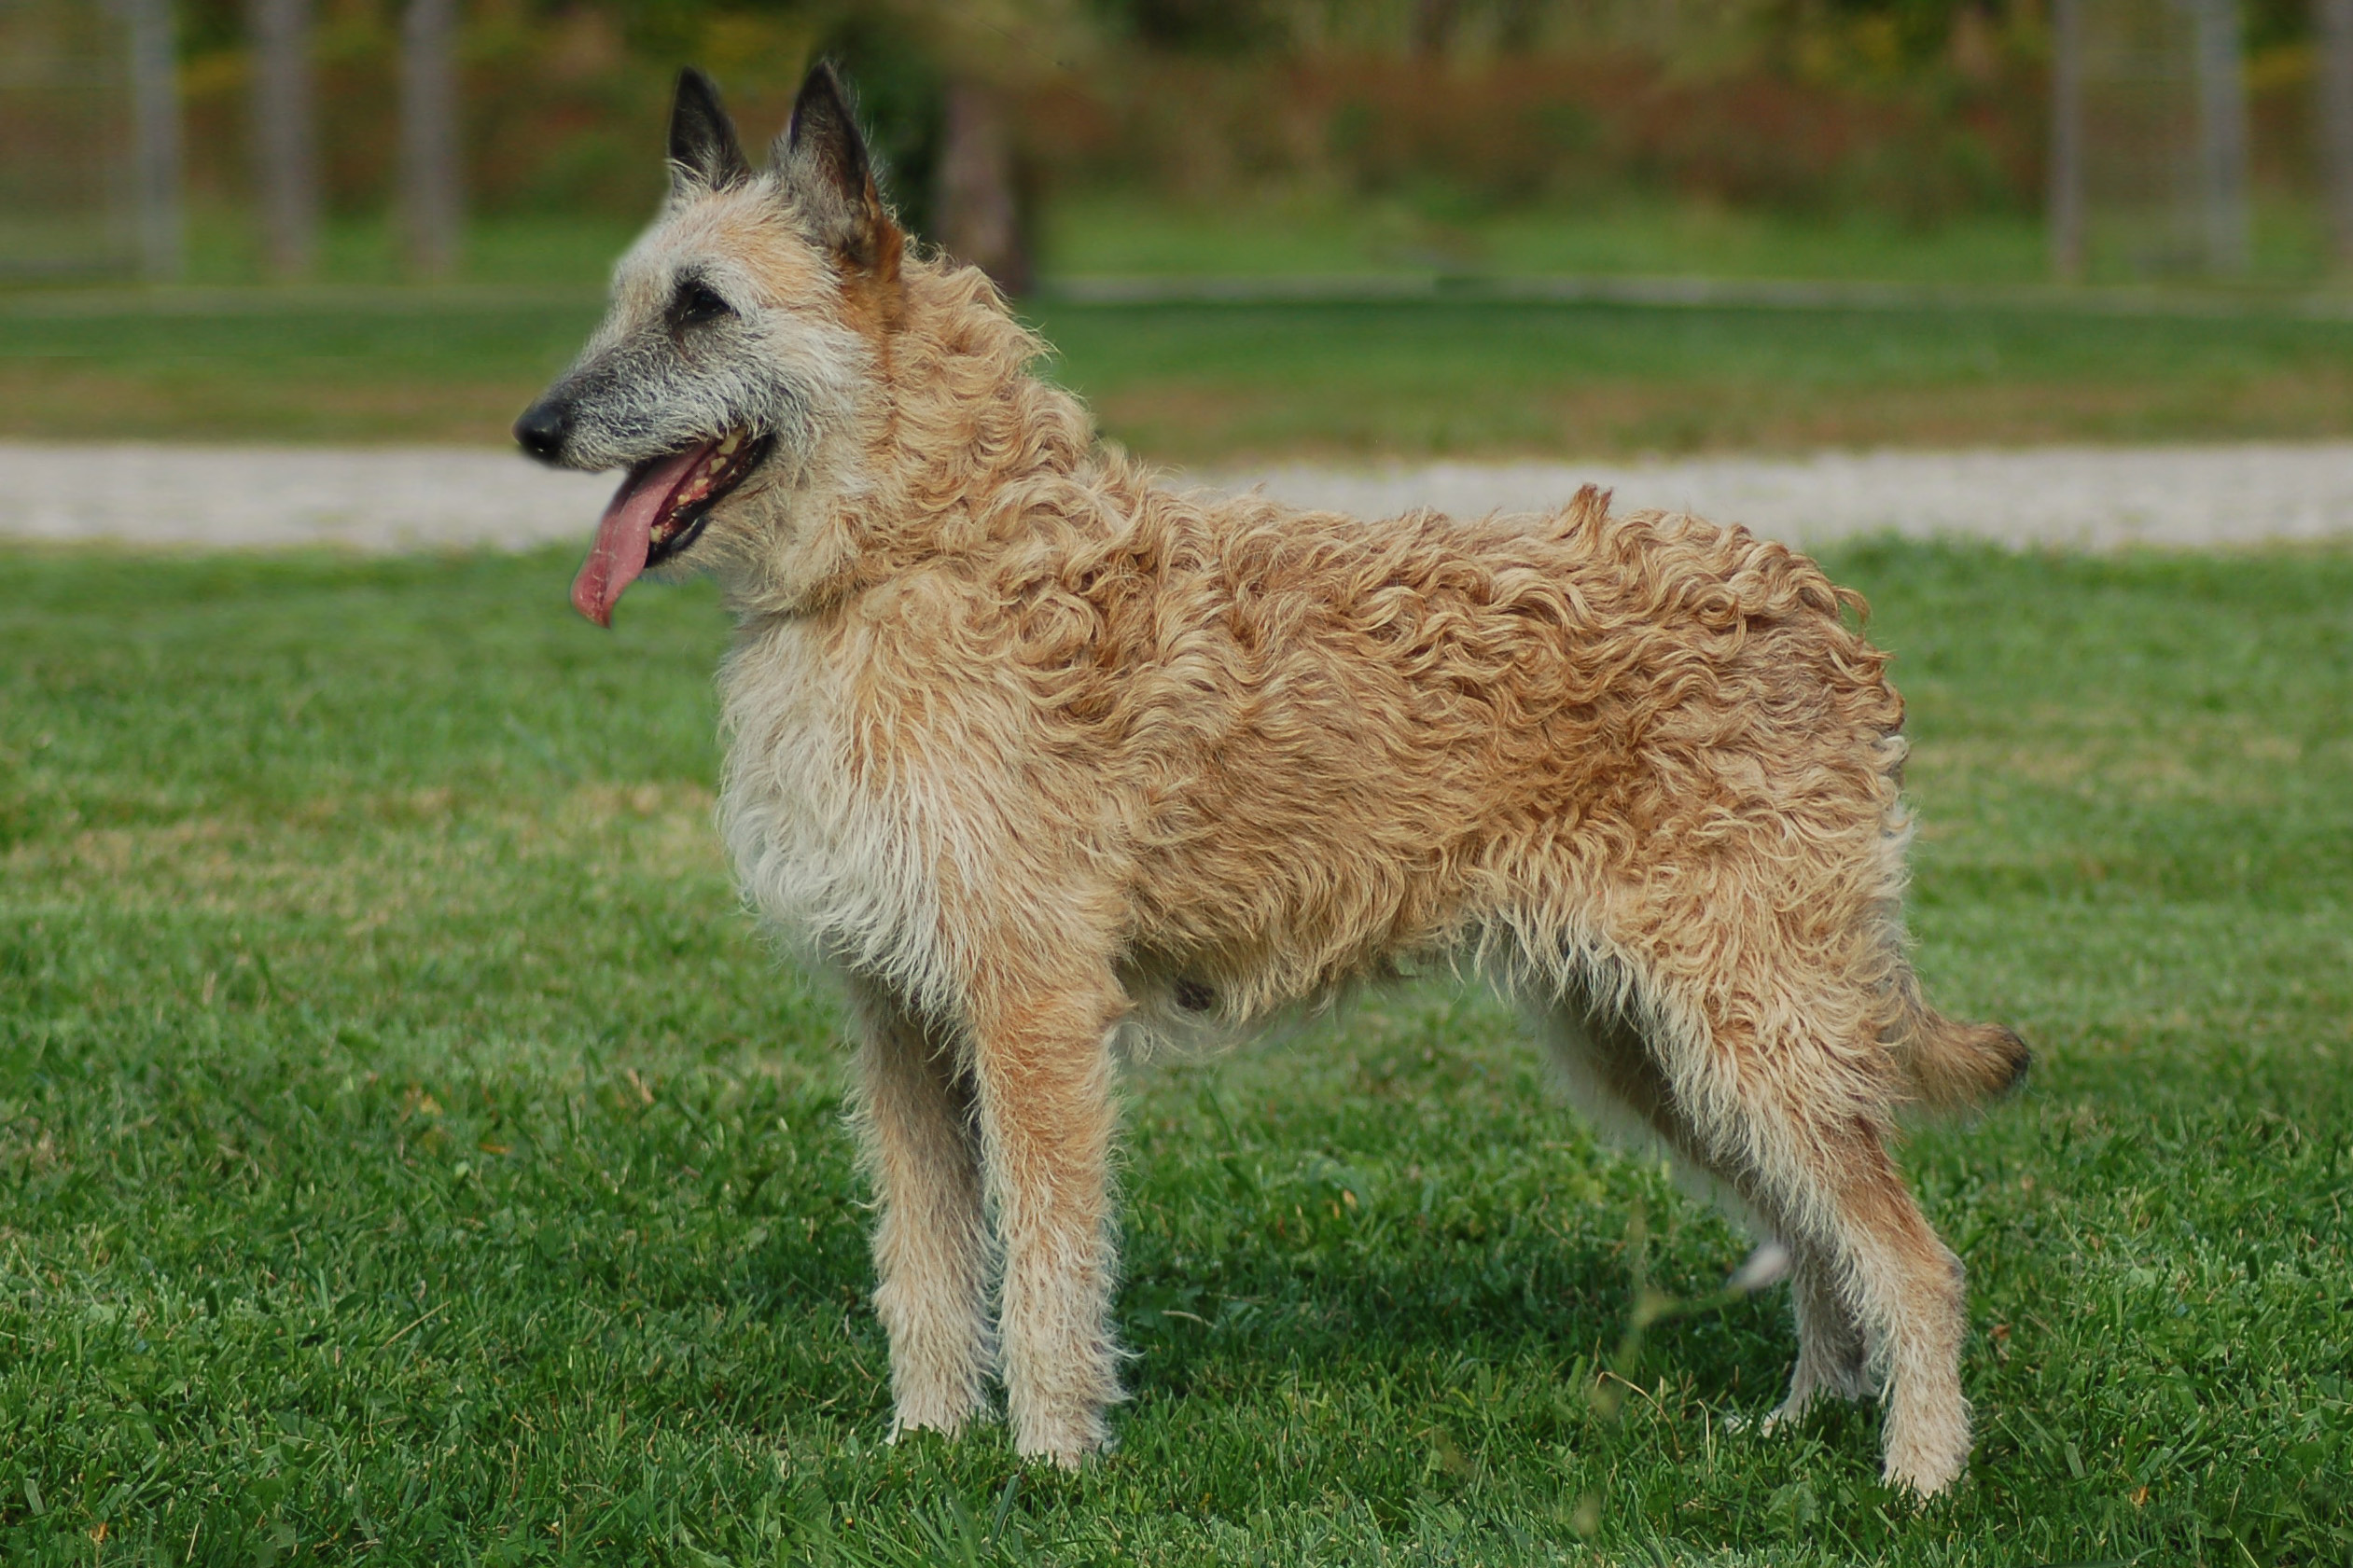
x=1033 y=752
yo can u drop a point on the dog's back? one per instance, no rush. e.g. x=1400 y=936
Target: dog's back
x=1312 y=742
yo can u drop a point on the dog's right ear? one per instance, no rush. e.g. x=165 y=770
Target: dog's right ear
x=829 y=177
x=704 y=155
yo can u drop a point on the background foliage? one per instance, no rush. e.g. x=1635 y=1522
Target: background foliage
x=1927 y=109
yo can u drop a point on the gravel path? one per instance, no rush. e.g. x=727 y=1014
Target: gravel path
x=392 y=499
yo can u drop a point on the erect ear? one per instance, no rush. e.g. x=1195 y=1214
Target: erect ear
x=830 y=179
x=705 y=154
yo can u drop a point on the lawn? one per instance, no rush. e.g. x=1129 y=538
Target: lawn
x=1109 y=232
x=412 y=1153
x=1084 y=233
x=1229 y=382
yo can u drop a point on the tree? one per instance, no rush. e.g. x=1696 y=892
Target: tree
x=986 y=50
x=2336 y=118
x=2221 y=79
x=286 y=141
x=979 y=200
x=2065 y=215
x=431 y=187
x=155 y=95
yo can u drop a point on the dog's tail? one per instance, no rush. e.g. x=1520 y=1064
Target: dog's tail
x=1955 y=1066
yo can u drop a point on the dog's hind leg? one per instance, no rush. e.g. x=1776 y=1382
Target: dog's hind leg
x=1832 y=1357
x=1771 y=1102
x=1801 y=1125
x=1042 y=1076
x=1869 y=1249
x=931 y=1250
x=1613 y=1078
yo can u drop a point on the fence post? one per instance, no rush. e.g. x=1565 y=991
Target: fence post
x=2336 y=118
x=2222 y=137
x=155 y=106
x=2065 y=198
x=431 y=188
x=285 y=149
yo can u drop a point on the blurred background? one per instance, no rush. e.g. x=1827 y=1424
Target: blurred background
x=224 y=141
x=411 y=203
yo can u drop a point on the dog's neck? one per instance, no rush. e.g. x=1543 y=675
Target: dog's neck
x=955 y=442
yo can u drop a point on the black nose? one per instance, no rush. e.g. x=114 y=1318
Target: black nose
x=542 y=428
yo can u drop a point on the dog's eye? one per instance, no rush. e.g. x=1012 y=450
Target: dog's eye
x=696 y=303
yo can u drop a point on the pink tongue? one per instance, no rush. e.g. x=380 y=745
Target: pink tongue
x=625 y=534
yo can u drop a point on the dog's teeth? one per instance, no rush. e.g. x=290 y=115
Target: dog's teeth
x=729 y=445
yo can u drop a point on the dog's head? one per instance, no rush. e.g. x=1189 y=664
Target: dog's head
x=738 y=342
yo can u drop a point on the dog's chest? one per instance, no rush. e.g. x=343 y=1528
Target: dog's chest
x=822 y=844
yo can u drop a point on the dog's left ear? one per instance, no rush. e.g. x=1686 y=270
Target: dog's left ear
x=703 y=152
x=823 y=162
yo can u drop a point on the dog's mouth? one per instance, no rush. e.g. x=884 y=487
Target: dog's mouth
x=659 y=511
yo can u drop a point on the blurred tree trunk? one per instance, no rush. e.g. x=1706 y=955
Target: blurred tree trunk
x=2222 y=135
x=981 y=216
x=285 y=147
x=431 y=190
x=2336 y=118
x=1434 y=26
x=155 y=90
x=2065 y=202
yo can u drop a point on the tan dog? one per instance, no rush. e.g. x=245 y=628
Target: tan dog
x=1033 y=752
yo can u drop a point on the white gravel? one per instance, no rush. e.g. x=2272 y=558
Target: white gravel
x=2078 y=497
x=422 y=498
x=376 y=499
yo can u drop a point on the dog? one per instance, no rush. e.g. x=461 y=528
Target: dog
x=1039 y=756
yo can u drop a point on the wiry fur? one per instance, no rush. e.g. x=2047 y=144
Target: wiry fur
x=1032 y=749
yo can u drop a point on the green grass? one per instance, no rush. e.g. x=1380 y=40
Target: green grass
x=1090 y=233
x=314 y=365
x=1094 y=234
x=224 y=249
x=410 y=1153
x=1085 y=234
x=1473 y=378
x=1223 y=383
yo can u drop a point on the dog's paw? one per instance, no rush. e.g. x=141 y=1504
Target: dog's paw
x=948 y=1417
x=1927 y=1476
x=1926 y=1447
x=1069 y=1441
x=901 y=1430
x=1072 y=1459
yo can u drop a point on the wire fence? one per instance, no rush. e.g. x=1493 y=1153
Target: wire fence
x=68 y=175
x=2150 y=191
x=2150 y=132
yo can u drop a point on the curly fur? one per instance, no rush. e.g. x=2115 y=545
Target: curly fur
x=1035 y=750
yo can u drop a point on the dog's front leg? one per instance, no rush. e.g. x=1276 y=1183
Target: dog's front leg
x=1042 y=1071
x=931 y=1250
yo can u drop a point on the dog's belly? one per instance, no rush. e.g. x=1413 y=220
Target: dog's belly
x=1260 y=924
